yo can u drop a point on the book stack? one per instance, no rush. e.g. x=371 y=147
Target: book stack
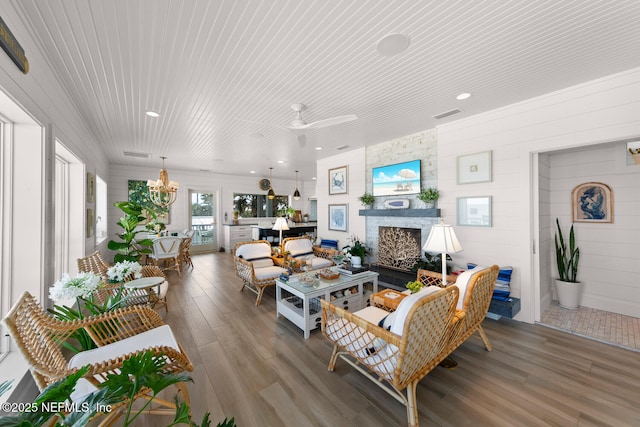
x=349 y=270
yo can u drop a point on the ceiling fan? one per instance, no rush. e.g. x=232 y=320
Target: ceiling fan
x=298 y=125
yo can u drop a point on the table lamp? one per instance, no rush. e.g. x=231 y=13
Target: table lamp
x=442 y=239
x=281 y=224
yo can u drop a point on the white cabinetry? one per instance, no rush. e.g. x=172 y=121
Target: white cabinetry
x=234 y=234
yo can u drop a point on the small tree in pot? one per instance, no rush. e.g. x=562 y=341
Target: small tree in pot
x=567 y=285
x=429 y=196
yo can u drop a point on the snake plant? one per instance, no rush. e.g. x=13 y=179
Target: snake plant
x=567 y=261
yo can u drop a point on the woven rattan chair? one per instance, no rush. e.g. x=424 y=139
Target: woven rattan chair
x=394 y=362
x=185 y=251
x=253 y=264
x=301 y=248
x=96 y=264
x=473 y=305
x=118 y=334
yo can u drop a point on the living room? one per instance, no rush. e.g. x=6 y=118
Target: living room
x=545 y=133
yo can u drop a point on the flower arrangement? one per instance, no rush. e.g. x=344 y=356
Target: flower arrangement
x=81 y=286
x=123 y=269
x=356 y=248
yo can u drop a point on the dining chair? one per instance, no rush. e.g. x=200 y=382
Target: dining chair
x=166 y=252
x=185 y=251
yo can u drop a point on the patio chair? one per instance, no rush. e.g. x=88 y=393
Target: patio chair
x=118 y=335
x=254 y=265
x=166 y=251
x=395 y=359
x=185 y=251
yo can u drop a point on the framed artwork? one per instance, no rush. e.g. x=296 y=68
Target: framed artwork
x=473 y=168
x=91 y=188
x=474 y=211
x=139 y=193
x=338 y=180
x=592 y=202
x=91 y=222
x=338 y=216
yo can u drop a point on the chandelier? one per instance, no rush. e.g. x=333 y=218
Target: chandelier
x=162 y=192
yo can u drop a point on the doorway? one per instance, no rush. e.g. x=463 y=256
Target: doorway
x=202 y=220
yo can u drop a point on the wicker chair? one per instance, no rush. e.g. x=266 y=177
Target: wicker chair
x=185 y=251
x=96 y=264
x=473 y=306
x=301 y=248
x=118 y=334
x=254 y=266
x=394 y=362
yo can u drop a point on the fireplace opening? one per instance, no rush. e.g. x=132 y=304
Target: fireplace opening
x=399 y=248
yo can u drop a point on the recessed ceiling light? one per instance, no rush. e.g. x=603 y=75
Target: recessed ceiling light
x=318 y=148
x=314 y=178
x=252 y=171
x=392 y=44
x=463 y=95
x=281 y=161
x=152 y=114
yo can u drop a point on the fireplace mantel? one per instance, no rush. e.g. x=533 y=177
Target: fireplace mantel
x=430 y=213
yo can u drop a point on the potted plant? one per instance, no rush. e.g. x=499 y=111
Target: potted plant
x=367 y=199
x=429 y=196
x=357 y=251
x=131 y=249
x=567 y=286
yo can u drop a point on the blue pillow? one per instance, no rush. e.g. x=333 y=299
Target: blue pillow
x=329 y=244
x=502 y=290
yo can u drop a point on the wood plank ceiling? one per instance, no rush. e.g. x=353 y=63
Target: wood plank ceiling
x=223 y=74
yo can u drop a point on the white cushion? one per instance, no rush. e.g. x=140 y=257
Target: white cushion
x=372 y=314
x=262 y=262
x=160 y=336
x=268 y=272
x=318 y=262
x=254 y=251
x=299 y=246
x=462 y=281
x=405 y=306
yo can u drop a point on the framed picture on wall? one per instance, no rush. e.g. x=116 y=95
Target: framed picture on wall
x=473 y=168
x=474 y=211
x=91 y=222
x=592 y=202
x=91 y=188
x=338 y=180
x=338 y=217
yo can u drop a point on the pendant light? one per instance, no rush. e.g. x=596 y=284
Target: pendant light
x=271 y=194
x=296 y=194
x=162 y=192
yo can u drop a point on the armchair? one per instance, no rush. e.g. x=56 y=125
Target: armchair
x=302 y=249
x=253 y=264
x=118 y=334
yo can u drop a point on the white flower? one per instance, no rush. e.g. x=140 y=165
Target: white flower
x=123 y=269
x=83 y=285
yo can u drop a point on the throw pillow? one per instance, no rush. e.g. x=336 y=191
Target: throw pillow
x=502 y=290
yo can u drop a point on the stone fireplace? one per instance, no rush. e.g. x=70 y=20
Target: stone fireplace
x=399 y=248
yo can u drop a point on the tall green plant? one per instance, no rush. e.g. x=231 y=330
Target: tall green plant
x=567 y=260
x=131 y=249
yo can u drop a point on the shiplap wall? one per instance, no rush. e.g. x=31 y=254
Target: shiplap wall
x=595 y=112
x=609 y=252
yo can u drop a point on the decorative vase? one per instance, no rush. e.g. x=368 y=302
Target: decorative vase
x=568 y=294
x=430 y=205
x=356 y=261
x=636 y=158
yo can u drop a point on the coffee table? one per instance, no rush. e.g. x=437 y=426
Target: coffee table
x=301 y=304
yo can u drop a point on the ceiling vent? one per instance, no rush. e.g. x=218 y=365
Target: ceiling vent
x=134 y=154
x=342 y=147
x=447 y=113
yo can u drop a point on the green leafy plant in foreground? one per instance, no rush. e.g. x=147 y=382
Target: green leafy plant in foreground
x=129 y=248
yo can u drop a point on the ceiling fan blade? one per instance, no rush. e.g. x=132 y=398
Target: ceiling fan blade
x=326 y=122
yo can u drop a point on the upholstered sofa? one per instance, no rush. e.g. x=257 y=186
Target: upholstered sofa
x=254 y=265
x=302 y=249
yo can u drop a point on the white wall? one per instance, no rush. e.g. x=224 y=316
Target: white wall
x=356 y=225
x=609 y=252
x=594 y=112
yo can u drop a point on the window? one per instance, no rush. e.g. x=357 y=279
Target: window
x=258 y=205
x=101 y=209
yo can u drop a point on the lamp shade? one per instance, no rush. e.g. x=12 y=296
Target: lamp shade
x=281 y=224
x=442 y=239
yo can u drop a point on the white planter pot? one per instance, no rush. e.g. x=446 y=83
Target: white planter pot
x=568 y=293
x=356 y=261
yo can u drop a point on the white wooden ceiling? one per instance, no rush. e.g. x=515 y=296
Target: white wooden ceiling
x=211 y=67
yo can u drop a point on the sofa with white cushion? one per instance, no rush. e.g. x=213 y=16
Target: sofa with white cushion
x=302 y=249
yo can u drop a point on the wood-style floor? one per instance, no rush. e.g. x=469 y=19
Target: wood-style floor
x=259 y=369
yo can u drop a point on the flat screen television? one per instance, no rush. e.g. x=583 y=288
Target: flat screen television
x=397 y=180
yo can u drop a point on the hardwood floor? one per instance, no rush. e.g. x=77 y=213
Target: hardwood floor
x=259 y=369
